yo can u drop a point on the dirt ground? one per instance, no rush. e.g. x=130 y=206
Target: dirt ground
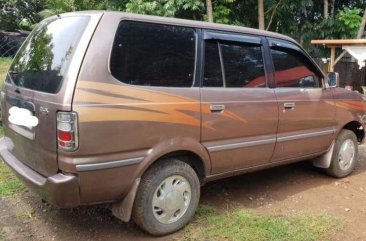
x=278 y=191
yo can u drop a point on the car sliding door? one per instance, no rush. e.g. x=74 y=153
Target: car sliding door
x=239 y=111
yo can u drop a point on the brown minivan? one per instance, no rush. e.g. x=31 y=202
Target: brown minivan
x=140 y=111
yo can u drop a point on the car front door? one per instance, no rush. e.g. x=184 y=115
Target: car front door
x=239 y=111
x=306 y=108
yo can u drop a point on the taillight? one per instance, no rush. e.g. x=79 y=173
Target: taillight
x=67 y=131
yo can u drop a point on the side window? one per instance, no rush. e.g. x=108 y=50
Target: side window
x=233 y=65
x=293 y=69
x=153 y=54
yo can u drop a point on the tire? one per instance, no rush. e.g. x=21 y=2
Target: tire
x=154 y=211
x=344 y=141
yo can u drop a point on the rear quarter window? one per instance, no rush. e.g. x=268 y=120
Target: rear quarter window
x=43 y=60
x=153 y=54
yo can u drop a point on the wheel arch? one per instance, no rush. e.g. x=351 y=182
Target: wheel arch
x=357 y=128
x=354 y=126
x=189 y=157
x=188 y=150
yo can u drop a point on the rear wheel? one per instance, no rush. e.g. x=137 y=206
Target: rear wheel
x=167 y=198
x=345 y=155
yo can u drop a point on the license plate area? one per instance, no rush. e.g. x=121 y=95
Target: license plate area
x=26 y=131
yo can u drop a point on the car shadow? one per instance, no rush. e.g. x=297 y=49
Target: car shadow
x=275 y=184
x=271 y=185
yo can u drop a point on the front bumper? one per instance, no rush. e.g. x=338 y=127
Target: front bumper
x=60 y=189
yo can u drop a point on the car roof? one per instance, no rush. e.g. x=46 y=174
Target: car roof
x=189 y=23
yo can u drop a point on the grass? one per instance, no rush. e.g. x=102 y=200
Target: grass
x=240 y=224
x=2 y=234
x=4 y=66
x=9 y=184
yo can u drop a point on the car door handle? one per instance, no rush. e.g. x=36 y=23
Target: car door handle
x=289 y=106
x=217 y=108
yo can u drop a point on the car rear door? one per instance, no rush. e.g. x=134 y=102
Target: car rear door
x=306 y=108
x=239 y=111
x=40 y=82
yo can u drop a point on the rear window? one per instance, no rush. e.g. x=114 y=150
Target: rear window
x=153 y=54
x=43 y=60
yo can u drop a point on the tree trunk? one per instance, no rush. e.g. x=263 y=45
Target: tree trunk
x=209 y=10
x=332 y=8
x=325 y=9
x=362 y=26
x=273 y=14
x=260 y=14
x=72 y=3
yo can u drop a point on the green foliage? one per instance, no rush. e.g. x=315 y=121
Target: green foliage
x=343 y=25
x=53 y=7
x=166 y=8
x=240 y=224
x=300 y=19
x=9 y=184
x=8 y=16
x=330 y=28
x=118 y=5
x=350 y=18
x=19 y=14
x=303 y=20
x=2 y=234
x=223 y=11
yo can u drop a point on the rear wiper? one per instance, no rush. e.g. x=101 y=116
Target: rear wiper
x=15 y=87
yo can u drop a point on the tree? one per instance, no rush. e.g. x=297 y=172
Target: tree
x=326 y=9
x=166 y=8
x=362 y=25
x=273 y=14
x=332 y=8
x=209 y=10
x=61 y=6
x=300 y=19
x=261 y=14
x=19 y=14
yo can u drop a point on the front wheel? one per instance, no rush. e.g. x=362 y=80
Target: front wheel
x=345 y=155
x=167 y=198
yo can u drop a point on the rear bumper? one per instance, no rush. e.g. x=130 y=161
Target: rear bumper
x=60 y=189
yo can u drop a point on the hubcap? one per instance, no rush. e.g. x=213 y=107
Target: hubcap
x=171 y=199
x=346 y=154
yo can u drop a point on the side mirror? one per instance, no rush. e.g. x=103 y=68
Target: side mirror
x=333 y=79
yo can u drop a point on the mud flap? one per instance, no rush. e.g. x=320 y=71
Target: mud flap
x=122 y=210
x=324 y=160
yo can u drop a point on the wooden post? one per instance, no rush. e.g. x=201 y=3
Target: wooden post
x=332 y=58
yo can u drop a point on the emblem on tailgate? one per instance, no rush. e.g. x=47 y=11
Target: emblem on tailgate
x=43 y=110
